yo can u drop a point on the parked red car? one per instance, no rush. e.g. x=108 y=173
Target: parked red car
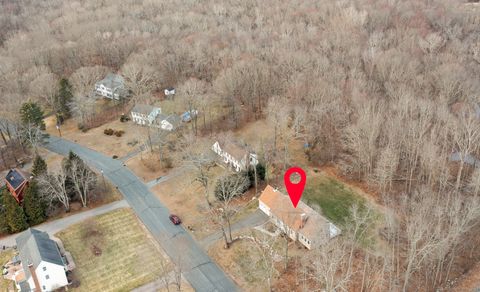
x=175 y=219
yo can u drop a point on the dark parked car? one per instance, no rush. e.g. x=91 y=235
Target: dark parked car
x=175 y=219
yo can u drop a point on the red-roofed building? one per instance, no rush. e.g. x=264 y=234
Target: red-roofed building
x=16 y=182
x=301 y=224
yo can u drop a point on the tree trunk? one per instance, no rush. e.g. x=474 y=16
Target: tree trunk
x=286 y=253
x=459 y=173
x=206 y=195
x=256 y=179
x=227 y=245
x=3 y=137
x=229 y=229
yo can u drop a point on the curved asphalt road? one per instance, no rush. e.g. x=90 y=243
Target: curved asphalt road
x=197 y=267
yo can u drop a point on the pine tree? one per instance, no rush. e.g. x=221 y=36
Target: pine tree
x=31 y=113
x=33 y=205
x=3 y=220
x=67 y=162
x=39 y=166
x=63 y=100
x=14 y=215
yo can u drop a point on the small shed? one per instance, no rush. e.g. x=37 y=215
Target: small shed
x=169 y=91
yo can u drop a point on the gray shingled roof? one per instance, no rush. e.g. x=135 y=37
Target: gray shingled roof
x=112 y=81
x=143 y=109
x=174 y=120
x=160 y=117
x=35 y=246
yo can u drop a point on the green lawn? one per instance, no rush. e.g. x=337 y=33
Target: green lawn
x=129 y=258
x=333 y=197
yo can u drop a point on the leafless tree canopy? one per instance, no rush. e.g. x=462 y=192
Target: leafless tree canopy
x=385 y=90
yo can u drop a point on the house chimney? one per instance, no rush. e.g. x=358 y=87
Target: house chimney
x=34 y=276
x=304 y=218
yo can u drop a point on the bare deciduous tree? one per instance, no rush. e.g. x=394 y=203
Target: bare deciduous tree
x=84 y=79
x=33 y=135
x=83 y=179
x=55 y=188
x=228 y=187
x=466 y=134
x=330 y=265
x=265 y=244
x=82 y=107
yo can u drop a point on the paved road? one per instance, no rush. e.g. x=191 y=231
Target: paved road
x=199 y=270
x=254 y=219
x=52 y=227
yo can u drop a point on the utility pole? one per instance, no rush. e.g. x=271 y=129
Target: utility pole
x=58 y=128
x=103 y=178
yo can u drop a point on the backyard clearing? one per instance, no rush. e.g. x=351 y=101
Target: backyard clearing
x=113 y=252
x=334 y=199
x=95 y=138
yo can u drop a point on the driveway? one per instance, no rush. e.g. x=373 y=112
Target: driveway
x=254 y=219
x=200 y=271
x=172 y=174
x=52 y=227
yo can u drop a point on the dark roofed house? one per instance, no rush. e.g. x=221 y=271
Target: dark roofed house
x=43 y=265
x=17 y=182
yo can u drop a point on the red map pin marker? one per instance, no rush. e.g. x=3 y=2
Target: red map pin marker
x=295 y=190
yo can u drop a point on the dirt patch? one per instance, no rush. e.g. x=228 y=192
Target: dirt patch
x=96 y=139
x=147 y=166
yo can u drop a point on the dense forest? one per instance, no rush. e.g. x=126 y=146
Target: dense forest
x=385 y=90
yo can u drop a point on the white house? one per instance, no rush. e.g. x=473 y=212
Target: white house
x=169 y=91
x=41 y=266
x=301 y=224
x=143 y=114
x=235 y=156
x=112 y=87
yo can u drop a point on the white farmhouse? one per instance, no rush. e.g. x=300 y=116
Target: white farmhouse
x=301 y=224
x=41 y=266
x=235 y=156
x=112 y=87
x=143 y=114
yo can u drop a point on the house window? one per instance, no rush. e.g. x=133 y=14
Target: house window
x=44 y=268
x=47 y=277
